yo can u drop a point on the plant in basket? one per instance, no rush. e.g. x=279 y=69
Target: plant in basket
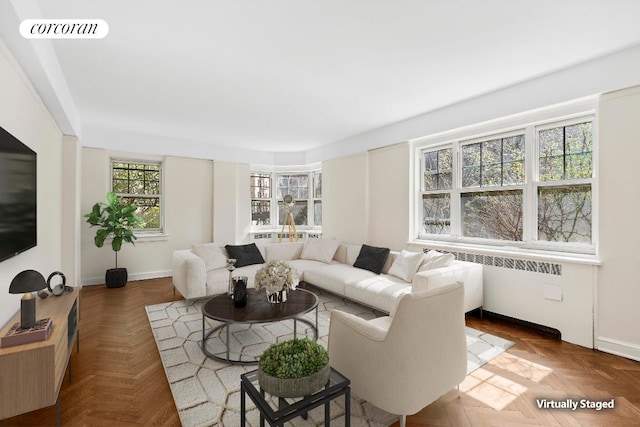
x=293 y=368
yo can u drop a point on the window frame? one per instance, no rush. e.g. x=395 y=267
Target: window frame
x=262 y=199
x=274 y=200
x=529 y=125
x=157 y=231
x=537 y=183
x=315 y=199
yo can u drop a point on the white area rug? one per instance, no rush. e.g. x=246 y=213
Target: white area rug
x=207 y=392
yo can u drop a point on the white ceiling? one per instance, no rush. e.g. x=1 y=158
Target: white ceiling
x=295 y=75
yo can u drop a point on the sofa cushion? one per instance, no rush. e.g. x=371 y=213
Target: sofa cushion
x=379 y=291
x=434 y=259
x=406 y=264
x=321 y=250
x=283 y=251
x=334 y=277
x=245 y=254
x=303 y=265
x=214 y=255
x=372 y=258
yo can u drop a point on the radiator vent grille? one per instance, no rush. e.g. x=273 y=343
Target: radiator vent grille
x=505 y=262
x=287 y=235
x=262 y=236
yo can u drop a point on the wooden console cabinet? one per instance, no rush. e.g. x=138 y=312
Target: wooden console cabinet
x=31 y=374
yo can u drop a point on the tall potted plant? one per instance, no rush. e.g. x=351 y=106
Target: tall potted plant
x=116 y=220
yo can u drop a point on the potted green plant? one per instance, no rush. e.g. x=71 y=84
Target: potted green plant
x=293 y=368
x=116 y=220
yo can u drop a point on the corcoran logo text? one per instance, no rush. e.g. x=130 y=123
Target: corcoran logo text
x=64 y=28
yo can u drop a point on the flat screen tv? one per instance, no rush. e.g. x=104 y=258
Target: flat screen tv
x=18 y=196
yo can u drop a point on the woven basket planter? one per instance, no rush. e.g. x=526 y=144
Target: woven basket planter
x=294 y=387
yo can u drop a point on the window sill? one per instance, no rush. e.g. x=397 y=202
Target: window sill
x=286 y=230
x=151 y=237
x=525 y=253
x=146 y=238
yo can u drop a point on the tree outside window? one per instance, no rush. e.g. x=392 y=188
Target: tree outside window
x=564 y=192
x=436 y=199
x=486 y=181
x=140 y=183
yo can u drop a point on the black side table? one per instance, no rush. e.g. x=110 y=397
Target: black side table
x=337 y=385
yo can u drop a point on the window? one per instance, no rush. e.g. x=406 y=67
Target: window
x=496 y=167
x=436 y=201
x=260 y=198
x=298 y=187
x=317 y=198
x=532 y=187
x=565 y=158
x=140 y=183
x=268 y=208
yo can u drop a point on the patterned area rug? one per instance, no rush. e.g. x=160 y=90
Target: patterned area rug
x=207 y=392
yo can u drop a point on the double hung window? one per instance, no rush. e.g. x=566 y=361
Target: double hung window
x=297 y=186
x=260 y=198
x=267 y=193
x=492 y=186
x=530 y=186
x=564 y=187
x=140 y=183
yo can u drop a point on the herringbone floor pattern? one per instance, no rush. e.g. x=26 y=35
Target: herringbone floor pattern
x=118 y=379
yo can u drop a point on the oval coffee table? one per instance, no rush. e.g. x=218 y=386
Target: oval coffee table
x=257 y=310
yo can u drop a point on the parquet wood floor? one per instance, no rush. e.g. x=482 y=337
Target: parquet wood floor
x=118 y=379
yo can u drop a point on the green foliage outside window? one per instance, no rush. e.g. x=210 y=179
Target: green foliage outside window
x=139 y=184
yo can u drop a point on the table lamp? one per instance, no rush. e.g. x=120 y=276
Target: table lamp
x=27 y=282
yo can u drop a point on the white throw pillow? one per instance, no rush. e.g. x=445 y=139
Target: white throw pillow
x=320 y=250
x=214 y=255
x=434 y=259
x=405 y=265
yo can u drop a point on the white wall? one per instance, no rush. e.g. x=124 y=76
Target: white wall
x=71 y=215
x=23 y=115
x=389 y=177
x=345 y=195
x=618 y=314
x=188 y=190
x=231 y=203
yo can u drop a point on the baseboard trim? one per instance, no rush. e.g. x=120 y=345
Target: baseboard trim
x=619 y=348
x=135 y=276
x=541 y=329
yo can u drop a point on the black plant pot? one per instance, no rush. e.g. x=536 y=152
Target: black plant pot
x=116 y=277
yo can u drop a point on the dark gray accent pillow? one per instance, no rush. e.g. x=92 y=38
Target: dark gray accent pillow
x=372 y=258
x=245 y=254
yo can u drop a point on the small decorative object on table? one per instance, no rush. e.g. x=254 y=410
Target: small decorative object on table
x=17 y=335
x=293 y=368
x=240 y=291
x=231 y=265
x=277 y=277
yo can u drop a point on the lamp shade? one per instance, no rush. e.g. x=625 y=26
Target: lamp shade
x=27 y=281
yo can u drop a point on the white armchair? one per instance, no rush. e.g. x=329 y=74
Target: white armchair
x=403 y=363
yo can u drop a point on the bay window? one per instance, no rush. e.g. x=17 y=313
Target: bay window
x=267 y=206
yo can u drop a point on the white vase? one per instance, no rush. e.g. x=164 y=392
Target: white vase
x=277 y=297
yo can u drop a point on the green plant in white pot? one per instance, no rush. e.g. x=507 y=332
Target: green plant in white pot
x=293 y=368
x=116 y=220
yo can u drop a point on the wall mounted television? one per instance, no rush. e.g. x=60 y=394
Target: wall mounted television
x=18 y=196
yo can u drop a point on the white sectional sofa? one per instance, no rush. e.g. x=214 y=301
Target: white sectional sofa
x=202 y=271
